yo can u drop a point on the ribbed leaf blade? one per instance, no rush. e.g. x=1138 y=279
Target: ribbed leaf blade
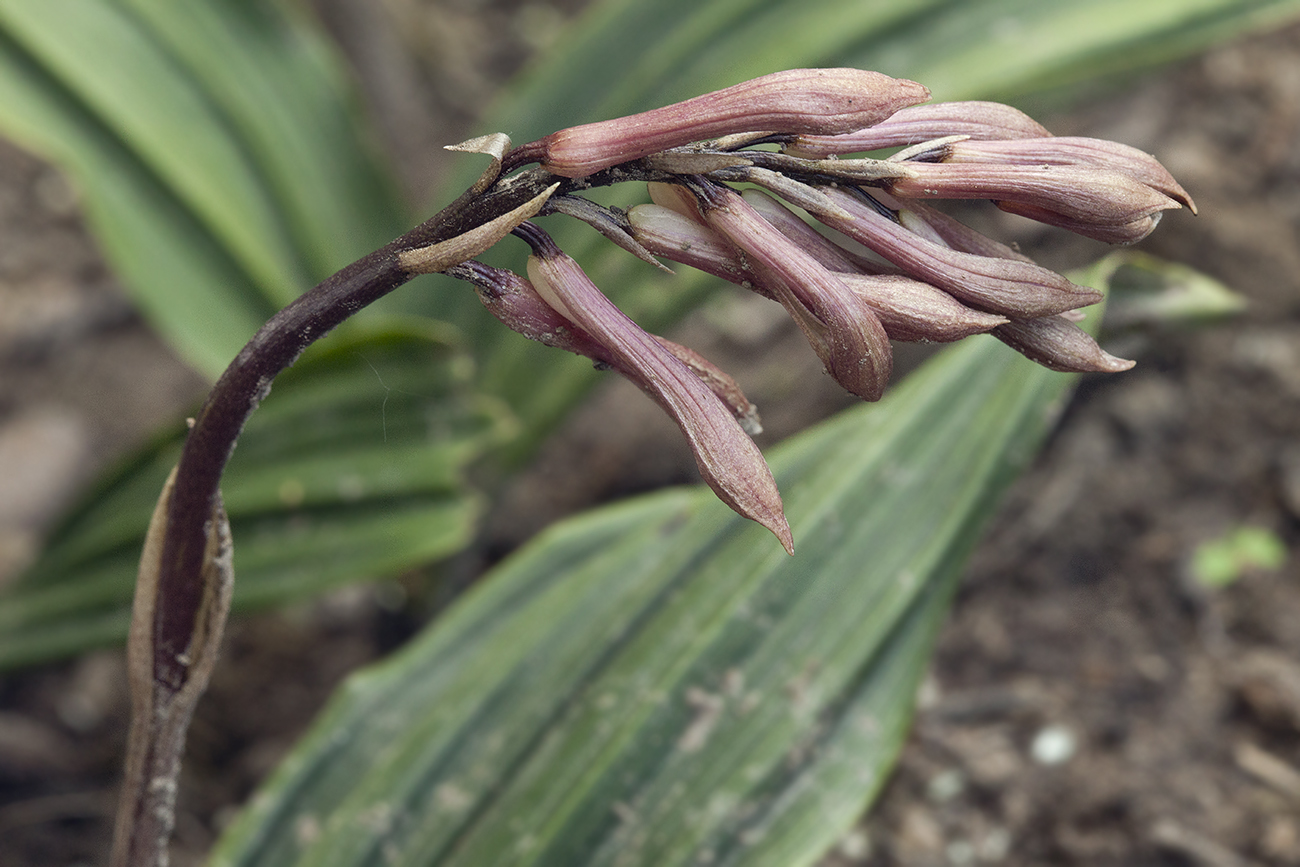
x=214 y=149
x=351 y=469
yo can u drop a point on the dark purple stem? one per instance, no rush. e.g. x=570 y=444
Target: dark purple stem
x=247 y=380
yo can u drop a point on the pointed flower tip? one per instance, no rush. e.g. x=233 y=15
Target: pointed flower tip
x=784 y=535
x=772 y=518
x=1114 y=364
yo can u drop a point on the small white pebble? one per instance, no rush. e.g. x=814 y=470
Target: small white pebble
x=945 y=785
x=960 y=853
x=855 y=845
x=1053 y=745
x=995 y=846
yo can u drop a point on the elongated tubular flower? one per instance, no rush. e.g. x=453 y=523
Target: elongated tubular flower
x=844 y=331
x=1072 y=151
x=1090 y=198
x=1110 y=233
x=984 y=121
x=727 y=458
x=517 y=304
x=1014 y=288
x=1052 y=341
x=817 y=101
x=1058 y=344
x=908 y=309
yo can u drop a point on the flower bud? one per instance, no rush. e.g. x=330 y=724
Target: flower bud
x=1014 y=288
x=1087 y=197
x=667 y=233
x=921 y=123
x=821 y=248
x=1058 y=344
x=517 y=304
x=815 y=101
x=916 y=312
x=843 y=330
x=1073 y=151
x=1110 y=233
x=719 y=382
x=949 y=231
x=727 y=458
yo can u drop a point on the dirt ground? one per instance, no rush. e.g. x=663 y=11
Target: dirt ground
x=1090 y=703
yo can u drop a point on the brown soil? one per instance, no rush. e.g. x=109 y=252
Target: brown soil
x=1090 y=704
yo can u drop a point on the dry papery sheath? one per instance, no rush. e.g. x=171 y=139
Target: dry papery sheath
x=869 y=260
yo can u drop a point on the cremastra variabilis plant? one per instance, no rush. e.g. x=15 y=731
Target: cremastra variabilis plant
x=927 y=277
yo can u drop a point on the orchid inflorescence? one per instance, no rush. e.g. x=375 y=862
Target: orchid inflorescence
x=929 y=278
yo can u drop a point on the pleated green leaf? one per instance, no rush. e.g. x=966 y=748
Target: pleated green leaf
x=629 y=55
x=351 y=469
x=218 y=160
x=657 y=683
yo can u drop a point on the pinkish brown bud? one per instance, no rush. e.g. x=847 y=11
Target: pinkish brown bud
x=844 y=331
x=675 y=197
x=916 y=312
x=816 y=101
x=667 y=233
x=922 y=123
x=1073 y=151
x=1014 y=288
x=908 y=309
x=1086 y=196
x=514 y=301
x=1058 y=344
x=517 y=304
x=1111 y=233
x=719 y=382
x=727 y=458
x=949 y=231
